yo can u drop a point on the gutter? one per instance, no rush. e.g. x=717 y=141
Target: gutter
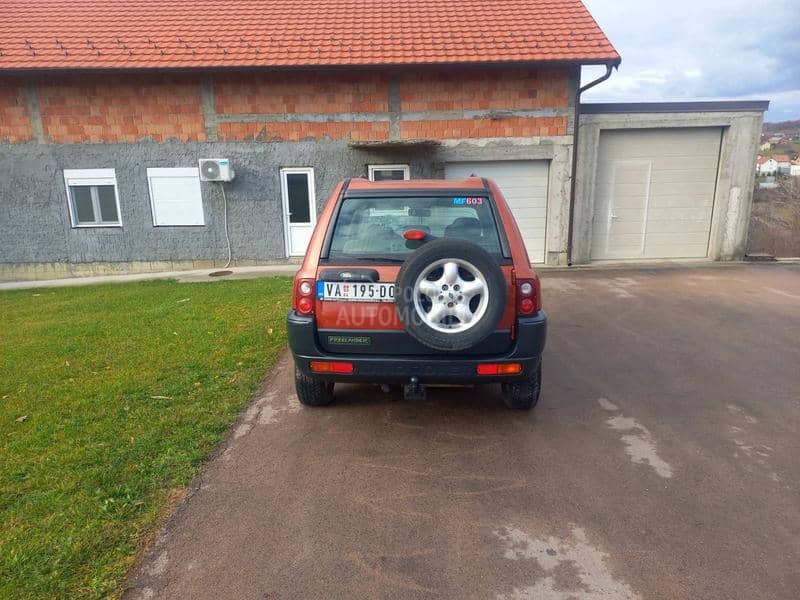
x=609 y=70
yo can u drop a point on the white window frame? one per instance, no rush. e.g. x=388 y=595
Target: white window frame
x=405 y=168
x=178 y=173
x=91 y=177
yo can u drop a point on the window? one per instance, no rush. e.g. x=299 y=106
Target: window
x=298 y=195
x=372 y=228
x=388 y=172
x=92 y=197
x=175 y=197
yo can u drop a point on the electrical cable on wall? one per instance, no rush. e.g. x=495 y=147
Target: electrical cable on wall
x=225 y=219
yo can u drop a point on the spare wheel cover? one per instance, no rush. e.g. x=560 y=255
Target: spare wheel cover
x=450 y=295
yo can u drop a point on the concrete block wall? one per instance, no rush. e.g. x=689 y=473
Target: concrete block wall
x=480 y=128
x=311 y=131
x=34 y=217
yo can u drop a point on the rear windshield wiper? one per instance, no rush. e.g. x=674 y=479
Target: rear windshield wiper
x=371 y=259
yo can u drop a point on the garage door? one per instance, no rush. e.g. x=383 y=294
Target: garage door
x=655 y=193
x=524 y=185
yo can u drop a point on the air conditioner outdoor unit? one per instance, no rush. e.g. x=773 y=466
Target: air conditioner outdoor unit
x=215 y=169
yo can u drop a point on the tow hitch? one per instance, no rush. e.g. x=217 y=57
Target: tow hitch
x=414 y=390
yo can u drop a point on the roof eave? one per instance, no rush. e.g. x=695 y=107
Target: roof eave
x=610 y=61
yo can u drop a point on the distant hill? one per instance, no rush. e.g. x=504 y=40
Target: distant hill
x=782 y=127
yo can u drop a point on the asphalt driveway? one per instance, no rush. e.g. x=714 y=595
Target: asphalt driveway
x=662 y=462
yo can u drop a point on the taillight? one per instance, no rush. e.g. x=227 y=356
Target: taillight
x=499 y=369
x=322 y=366
x=529 y=296
x=304 y=296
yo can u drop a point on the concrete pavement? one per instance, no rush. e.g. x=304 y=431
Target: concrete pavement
x=662 y=462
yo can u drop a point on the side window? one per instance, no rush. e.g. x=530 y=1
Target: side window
x=389 y=172
x=175 y=196
x=92 y=197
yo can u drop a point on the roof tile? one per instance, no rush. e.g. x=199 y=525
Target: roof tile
x=112 y=34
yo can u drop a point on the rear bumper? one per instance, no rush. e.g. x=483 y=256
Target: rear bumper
x=445 y=368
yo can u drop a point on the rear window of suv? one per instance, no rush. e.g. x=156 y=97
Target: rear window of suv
x=372 y=228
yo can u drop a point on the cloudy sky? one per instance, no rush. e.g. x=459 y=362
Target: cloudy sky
x=702 y=50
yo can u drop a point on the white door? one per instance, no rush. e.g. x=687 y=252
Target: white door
x=299 y=208
x=524 y=186
x=654 y=193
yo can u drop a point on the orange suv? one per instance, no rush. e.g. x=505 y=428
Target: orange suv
x=416 y=283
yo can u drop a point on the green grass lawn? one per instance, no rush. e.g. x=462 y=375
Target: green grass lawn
x=784 y=149
x=110 y=399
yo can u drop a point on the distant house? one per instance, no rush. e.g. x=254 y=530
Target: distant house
x=794 y=170
x=784 y=163
x=776 y=140
x=766 y=165
x=766 y=146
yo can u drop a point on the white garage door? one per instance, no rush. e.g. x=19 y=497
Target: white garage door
x=524 y=185
x=655 y=193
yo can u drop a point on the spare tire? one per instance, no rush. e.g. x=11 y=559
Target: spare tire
x=450 y=294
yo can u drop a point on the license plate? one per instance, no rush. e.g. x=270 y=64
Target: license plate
x=340 y=291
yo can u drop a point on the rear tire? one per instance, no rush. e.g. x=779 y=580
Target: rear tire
x=524 y=395
x=312 y=391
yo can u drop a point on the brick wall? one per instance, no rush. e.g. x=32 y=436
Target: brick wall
x=306 y=92
x=14 y=123
x=432 y=97
x=499 y=89
x=358 y=106
x=121 y=108
x=302 y=92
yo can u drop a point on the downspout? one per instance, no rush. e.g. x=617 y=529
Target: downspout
x=609 y=69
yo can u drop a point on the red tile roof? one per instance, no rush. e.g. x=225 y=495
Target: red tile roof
x=95 y=34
